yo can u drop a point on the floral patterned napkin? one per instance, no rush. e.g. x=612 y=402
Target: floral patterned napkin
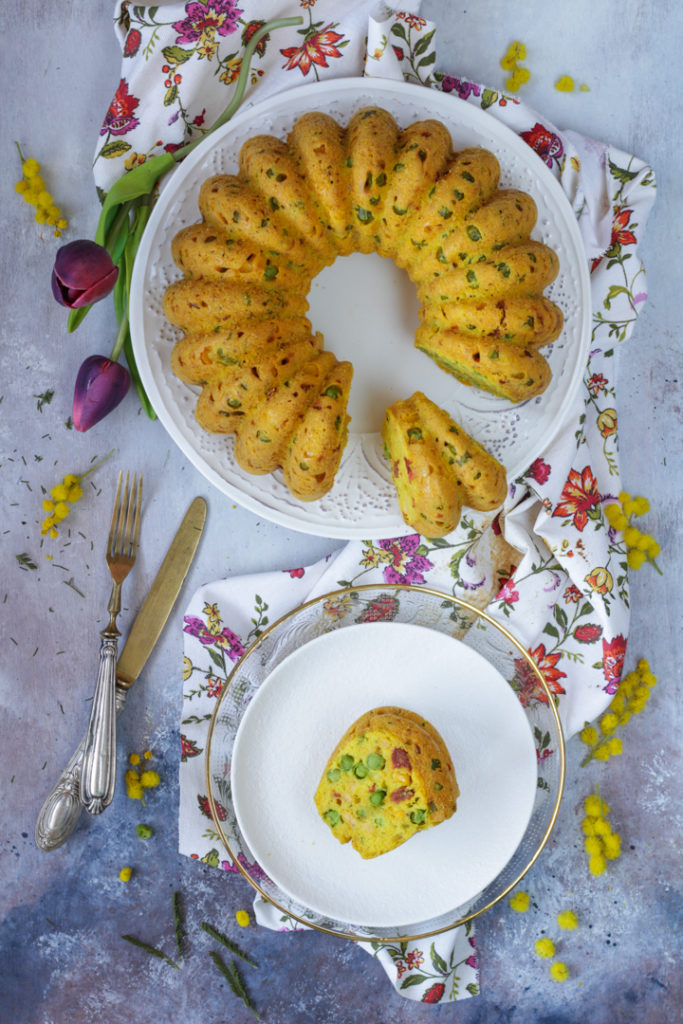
x=549 y=566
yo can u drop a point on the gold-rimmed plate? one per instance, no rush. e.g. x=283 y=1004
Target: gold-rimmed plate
x=278 y=719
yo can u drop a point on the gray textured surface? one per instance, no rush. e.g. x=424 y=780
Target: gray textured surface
x=61 y=958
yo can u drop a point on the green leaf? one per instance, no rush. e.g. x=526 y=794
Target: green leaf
x=560 y=616
x=113 y=149
x=423 y=42
x=397 y=29
x=216 y=658
x=76 y=316
x=438 y=961
x=176 y=54
x=414 y=979
x=488 y=98
x=551 y=631
x=429 y=59
x=171 y=96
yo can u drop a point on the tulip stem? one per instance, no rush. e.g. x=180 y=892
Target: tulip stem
x=120 y=338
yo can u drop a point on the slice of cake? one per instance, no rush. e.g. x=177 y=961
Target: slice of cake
x=389 y=777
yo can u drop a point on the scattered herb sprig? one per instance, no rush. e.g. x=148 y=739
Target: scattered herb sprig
x=234 y=980
x=152 y=950
x=228 y=943
x=178 y=926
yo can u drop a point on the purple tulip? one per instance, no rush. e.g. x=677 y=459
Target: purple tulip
x=100 y=386
x=83 y=273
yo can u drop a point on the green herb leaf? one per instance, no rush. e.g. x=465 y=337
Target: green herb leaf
x=26 y=562
x=228 y=943
x=152 y=950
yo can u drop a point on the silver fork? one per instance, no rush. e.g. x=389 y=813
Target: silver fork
x=98 y=772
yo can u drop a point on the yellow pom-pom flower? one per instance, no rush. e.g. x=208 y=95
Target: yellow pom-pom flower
x=63 y=496
x=149 y=779
x=32 y=187
x=545 y=948
x=519 y=901
x=640 y=547
x=242 y=918
x=567 y=920
x=597 y=864
x=565 y=83
x=125 y=874
x=559 y=971
x=608 y=723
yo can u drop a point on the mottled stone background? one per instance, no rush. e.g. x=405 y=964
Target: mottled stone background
x=62 y=914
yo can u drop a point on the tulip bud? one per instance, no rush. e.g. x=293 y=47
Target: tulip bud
x=83 y=273
x=100 y=386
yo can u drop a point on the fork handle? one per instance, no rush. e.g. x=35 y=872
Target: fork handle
x=98 y=770
x=62 y=808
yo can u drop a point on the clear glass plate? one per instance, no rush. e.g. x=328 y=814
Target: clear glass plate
x=490 y=651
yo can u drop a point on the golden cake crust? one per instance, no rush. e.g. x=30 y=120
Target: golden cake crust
x=328 y=190
x=390 y=776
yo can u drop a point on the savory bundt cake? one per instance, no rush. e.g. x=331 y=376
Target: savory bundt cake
x=389 y=777
x=327 y=191
x=437 y=468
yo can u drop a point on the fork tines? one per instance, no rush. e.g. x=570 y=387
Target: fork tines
x=125 y=521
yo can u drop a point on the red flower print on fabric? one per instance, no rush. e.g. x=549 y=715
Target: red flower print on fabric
x=580 y=498
x=434 y=994
x=205 y=808
x=214 y=687
x=525 y=682
x=621 y=234
x=315 y=50
x=545 y=143
x=296 y=574
x=119 y=118
x=384 y=609
x=188 y=748
x=248 y=32
x=588 y=633
x=613 y=655
x=132 y=43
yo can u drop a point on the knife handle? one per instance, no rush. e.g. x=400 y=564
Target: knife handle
x=98 y=770
x=62 y=808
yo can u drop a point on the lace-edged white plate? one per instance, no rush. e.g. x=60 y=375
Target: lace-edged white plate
x=367 y=310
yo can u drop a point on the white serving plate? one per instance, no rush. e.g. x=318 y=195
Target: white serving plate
x=367 y=310
x=296 y=719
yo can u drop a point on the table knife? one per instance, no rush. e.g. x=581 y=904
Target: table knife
x=61 y=810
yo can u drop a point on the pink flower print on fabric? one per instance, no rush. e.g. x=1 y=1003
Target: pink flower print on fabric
x=460 y=86
x=251 y=867
x=204 y=20
x=226 y=639
x=407 y=564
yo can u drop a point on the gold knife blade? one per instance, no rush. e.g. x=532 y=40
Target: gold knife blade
x=157 y=606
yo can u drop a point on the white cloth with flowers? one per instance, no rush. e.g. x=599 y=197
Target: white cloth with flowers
x=549 y=566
